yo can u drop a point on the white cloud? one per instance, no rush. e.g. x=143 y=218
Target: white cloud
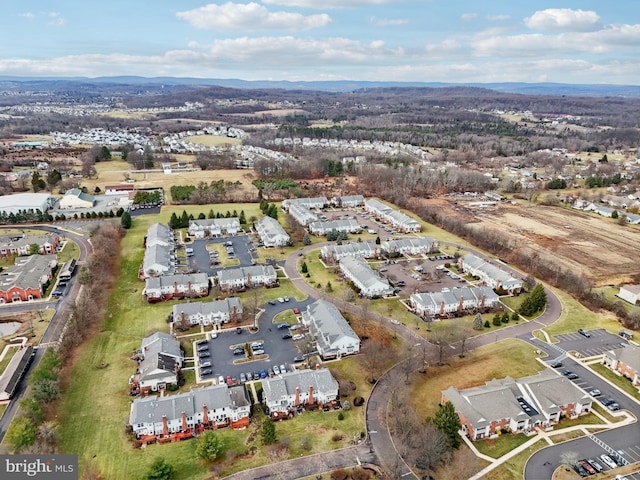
x=388 y=22
x=249 y=17
x=55 y=20
x=563 y=19
x=27 y=15
x=468 y=16
x=327 y=3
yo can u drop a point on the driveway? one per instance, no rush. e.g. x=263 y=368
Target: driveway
x=241 y=246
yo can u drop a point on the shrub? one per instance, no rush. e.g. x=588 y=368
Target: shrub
x=339 y=474
x=358 y=401
x=336 y=437
x=341 y=416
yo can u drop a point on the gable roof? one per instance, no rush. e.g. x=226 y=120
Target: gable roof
x=284 y=385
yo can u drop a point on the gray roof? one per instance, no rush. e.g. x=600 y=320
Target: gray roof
x=161 y=353
x=76 y=192
x=354 y=249
x=497 y=399
x=11 y=242
x=271 y=231
x=283 y=385
x=331 y=325
x=378 y=205
x=24 y=201
x=218 y=222
x=151 y=409
x=368 y=277
x=159 y=233
x=179 y=279
x=226 y=305
x=157 y=258
x=28 y=272
x=505 y=279
x=348 y=199
x=408 y=243
x=231 y=274
x=629 y=356
x=308 y=202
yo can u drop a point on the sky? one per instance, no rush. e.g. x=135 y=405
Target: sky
x=456 y=41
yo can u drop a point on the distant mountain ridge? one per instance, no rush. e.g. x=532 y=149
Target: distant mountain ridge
x=547 y=88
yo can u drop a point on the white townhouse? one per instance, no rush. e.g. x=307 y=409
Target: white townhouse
x=162 y=359
x=302 y=215
x=367 y=280
x=410 y=246
x=158 y=260
x=346 y=226
x=159 y=234
x=348 y=201
x=214 y=227
x=517 y=405
x=309 y=203
x=169 y=287
x=396 y=218
x=271 y=232
x=459 y=299
x=490 y=274
x=630 y=293
x=354 y=249
x=215 y=406
x=247 y=277
x=283 y=394
x=333 y=336
x=216 y=312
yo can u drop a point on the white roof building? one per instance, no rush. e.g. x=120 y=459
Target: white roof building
x=214 y=227
x=271 y=232
x=333 y=335
x=367 y=280
x=24 y=202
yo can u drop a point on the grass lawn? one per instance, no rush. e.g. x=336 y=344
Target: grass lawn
x=502 y=445
x=285 y=317
x=575 y=315
x=563 y=437
x=509 y=357
x=3 y=407
x=514 y=467
x=622 y=382
x=596 y=407
x=589 y=419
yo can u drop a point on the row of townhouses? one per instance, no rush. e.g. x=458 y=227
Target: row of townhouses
x=331 y=332
x=271 y=232
x=170 y=287
x=20 y=245
x=345 y=226
x=159 y=361
x=216 y=312
x=396 y=218
x=240 y=278
x=605 y=211
x=214 y=227
x=455 y=300
x=491 y=275
x=517 y=405
x=364 y=278
x=389 y=248
x=159 y=253
x=27 y=279
x=334 y=252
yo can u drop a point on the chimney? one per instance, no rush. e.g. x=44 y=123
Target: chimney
x=205 y=416
x=184 y=422
x=311 y=401
x=297 y=402
x=442 y=307
x=482 y=301
x=165 y=427
x=189 y=288
x=175 y=288
x=460 y=304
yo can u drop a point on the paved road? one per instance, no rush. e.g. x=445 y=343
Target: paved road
x=54 y=329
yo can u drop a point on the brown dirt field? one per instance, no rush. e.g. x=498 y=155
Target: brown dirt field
x=597 y=247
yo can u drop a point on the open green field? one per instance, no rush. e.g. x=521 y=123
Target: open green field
x=502 y=445
x=513 y=358
x=213 y=140
x=575 y=315
x=622 y=382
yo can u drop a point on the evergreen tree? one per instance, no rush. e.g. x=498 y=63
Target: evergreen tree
x=505 y=317
x=104 y=154
x=159 y=470
x=174 y=222
x=210 y=446
x=125 y=220
x=242 y=218
x=202 y=216
x=211 y=214
x=37 y=183
x=447 y=421
x=515 y=317
x=304 y=268
x=268 y=434
x=306 y=239
x=184 y=219
x=477 y=322
x=497 y=320
x=378 y=240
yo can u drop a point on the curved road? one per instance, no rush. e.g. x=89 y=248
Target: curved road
x=57 y=323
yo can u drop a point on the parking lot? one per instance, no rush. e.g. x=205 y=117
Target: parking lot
x=599 y=342
x=241 y=245
x=278 y=351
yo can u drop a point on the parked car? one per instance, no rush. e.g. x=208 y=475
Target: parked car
x=286 y=299
x=298 y=336
x=258 y=351
x=206 y=371
x=608 y=461
x=395 y=322
x=606 y=401
x=584 y=333
x=296 y=311
x=282 y=326
x=618 y=459
x=220 y=380
x=204 y=354
x=249 y=376
x=276 y=370
x=286 y=336
x=272 y=302
x=203 y=348
x=243 y=378
x=595 y=464
x=238 y=330
x=238 y=351
x=229 y=380
x=283 y=369
x=572 y=376
x=270 y=372
x=298 y=359
x=580 y=470
x=595 y=392
x=281 y=300
x=263 y=374
x=613 y=406
x=294 y=327
x=255 y=345
x=555 y=364
x=587 y=466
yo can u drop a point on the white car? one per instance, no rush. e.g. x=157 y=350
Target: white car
x=395 y=322
x=220 y=380
x=281 y=300
x=608 y=461
x=276 y=370
x=298 y=336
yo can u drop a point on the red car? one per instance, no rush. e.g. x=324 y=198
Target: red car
x=587 y=467
x=296 y=311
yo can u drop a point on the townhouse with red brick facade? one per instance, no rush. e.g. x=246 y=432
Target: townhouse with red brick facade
x=625 y=362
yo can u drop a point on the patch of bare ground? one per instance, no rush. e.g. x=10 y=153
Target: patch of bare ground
x=594 y=246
